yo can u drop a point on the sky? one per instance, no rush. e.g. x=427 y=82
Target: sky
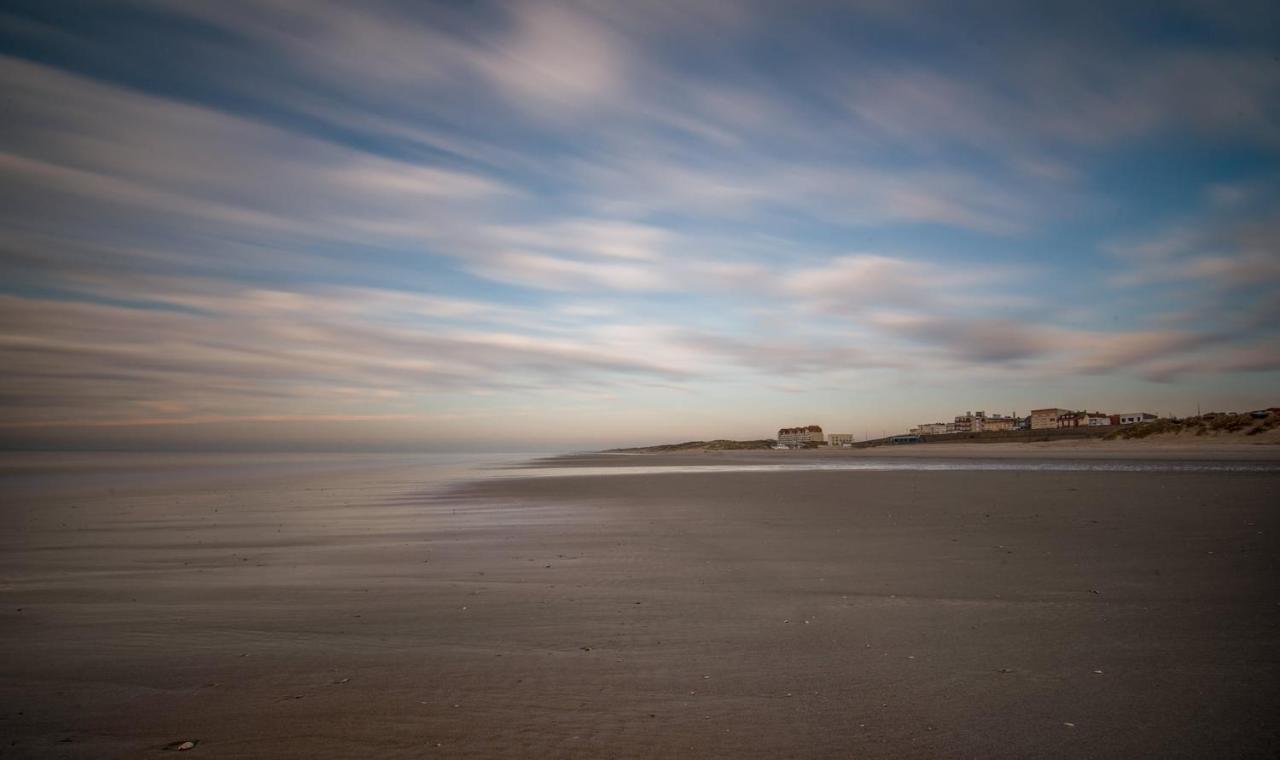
x=547 y=225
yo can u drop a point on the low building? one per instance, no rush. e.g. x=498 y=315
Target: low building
x=840 y=439
x=799 y=437
x=1047 y=418
x=981 y=422
x=931 y=428
x=1083 y=419
x=1132 y=418
x=999 y=422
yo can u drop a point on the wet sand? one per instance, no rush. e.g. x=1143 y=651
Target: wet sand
x=701 y=614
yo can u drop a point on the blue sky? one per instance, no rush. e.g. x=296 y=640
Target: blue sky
x=546 y=224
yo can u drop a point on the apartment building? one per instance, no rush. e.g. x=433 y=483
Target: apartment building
x=979 y=422
x=840 y=439
x=969 y=422
x=798 y=437
x=999 y=422
x=1047 y=418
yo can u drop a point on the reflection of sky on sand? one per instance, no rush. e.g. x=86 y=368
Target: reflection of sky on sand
x=909 y=466
x=55 y=474
x=264 y=480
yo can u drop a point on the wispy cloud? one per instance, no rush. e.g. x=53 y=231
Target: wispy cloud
x=400 y=212
x=244 y=347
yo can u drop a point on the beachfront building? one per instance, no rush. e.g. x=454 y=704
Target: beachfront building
x=799 y=437
x=969 y=422
x=981 y=422
x=1000 y=422
x=1084 y=419
x=933 y=428
x=840 y=439
x=1132 y=418
x=1047 y=418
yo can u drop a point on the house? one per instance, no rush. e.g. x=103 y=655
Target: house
x=1097 y=419
x=1046 y=418
x=840 y=439
x=1133 y=418
x=799 y=437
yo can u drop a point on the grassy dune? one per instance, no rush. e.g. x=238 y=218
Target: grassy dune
x=1212 y=424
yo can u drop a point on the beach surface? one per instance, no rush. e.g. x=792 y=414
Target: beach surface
x=1073 y=602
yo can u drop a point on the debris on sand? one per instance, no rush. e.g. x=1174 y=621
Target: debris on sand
x=182 y=746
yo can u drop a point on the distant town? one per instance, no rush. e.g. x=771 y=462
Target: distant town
x=1039 y=425
x=810 y=436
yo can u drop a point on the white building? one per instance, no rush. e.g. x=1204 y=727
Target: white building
x=1135 y=417
x=840 y=439
x=931 y=428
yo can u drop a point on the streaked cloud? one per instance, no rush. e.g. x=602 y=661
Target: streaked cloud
x=441 y=215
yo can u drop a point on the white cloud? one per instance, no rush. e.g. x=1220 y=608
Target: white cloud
x=247 y=348
x=556 y=58
x=141 y=155
x=556 y=273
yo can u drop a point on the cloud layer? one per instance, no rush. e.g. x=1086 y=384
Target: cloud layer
x=563 y=210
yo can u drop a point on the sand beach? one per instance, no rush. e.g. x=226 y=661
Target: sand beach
x=1126 y=604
